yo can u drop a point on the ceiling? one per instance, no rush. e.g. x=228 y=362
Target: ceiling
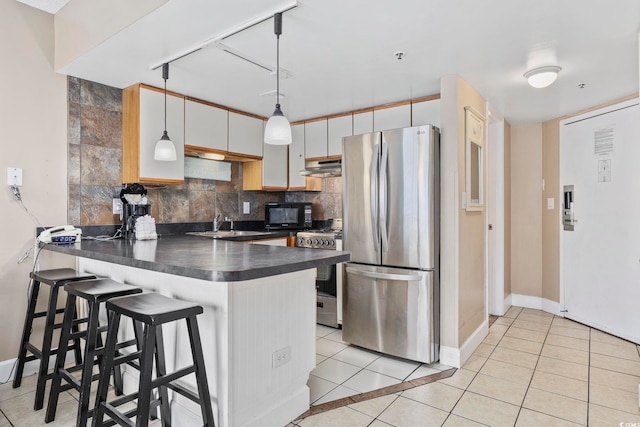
x=341 y=54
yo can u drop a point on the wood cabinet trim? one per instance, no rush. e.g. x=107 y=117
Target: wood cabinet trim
x=425 y=99
x=393 y=105
x=157 y=89
x=131 y=134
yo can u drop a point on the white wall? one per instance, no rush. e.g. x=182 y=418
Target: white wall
x=34 y=137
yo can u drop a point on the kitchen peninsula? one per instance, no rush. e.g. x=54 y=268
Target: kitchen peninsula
x=258 y=325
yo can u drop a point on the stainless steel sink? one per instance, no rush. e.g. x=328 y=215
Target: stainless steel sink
x=226 y=234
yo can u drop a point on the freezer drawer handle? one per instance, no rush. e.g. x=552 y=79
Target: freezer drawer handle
x=385 y=276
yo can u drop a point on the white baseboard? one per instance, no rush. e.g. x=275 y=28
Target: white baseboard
x=457 y=357
x=507 y=303
x=8 y=372
x=536 y=303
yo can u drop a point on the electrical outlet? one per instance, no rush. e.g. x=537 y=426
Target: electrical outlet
x=14 y=176
x=246 y=207
x=117 y=206
x=282 y=356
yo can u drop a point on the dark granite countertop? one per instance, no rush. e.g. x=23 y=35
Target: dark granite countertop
x=203 y=258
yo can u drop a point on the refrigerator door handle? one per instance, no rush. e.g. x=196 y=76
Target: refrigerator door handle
x=383 y=197
x=374 y=196
x=385 y=276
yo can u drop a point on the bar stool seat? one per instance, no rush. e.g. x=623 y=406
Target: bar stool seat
x=152 y=310
x=55 y=278
x=94 y=292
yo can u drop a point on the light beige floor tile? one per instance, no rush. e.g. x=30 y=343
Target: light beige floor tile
x=319 y=387
x=19 y=411
x=506 y=321
x=528 y=418
x=4 y=422
x=378 y=423
x=497 y=388
x=563 y=368
x=507 y=371
x=337 y=393
x=553 y=383
x=338 y=417
x=374 y=407
x=492 y=339
x=498 y=329
x=604 y=337
x=535 y=318
x=615 y=364
x=625 y=351
x=521 y=345
x=566 y=354
x=27 y=385
x=460 y=379
x=484 y=350
x=532 y=326
x=438 y=395
x=486 y=410
x=526 y=334
x=422 y=371
x=405 y=412
x=613 y=379
x=564 y=331
x=600 y=416
x=537 y=312
x=515 y=357
x=557 y=406
x=568 y=342
x=474 y=363
x=513 y=312
x=561 y=321
x=456 y=421
x=614 y=399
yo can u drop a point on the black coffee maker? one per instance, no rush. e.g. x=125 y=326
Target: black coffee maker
x=134 y=197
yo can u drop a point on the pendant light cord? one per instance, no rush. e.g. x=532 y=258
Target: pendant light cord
x=277 y=24
x=165 y=76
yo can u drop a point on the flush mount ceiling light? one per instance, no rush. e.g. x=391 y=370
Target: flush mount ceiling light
x=165 y=150
x=278 y=129
x=542 y=76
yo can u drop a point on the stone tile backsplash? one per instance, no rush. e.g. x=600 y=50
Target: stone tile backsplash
x=95 y=173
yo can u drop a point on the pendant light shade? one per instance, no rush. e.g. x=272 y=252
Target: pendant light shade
x=278 y=129
x=165 y=150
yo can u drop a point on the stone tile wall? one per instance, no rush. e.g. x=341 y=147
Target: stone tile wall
x=95 y=172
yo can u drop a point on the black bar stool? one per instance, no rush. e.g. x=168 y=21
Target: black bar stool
x=55 y=278
x=152 y=310
x=94 y=292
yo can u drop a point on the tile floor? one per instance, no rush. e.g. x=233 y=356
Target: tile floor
x=533 y=369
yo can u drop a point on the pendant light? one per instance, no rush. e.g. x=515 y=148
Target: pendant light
x=278 y=129
x=165 y=149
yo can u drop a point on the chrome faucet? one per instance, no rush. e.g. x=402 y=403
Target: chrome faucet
x=217 y=223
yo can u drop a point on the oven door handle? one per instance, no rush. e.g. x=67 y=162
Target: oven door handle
x=385 y=276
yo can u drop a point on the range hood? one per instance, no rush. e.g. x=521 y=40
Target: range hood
x=322 y=168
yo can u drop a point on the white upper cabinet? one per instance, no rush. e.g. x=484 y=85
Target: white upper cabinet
x=426 y=113
x=362 y=122
x=205 y=126
x=296 y=157
x=392 y=117
x=337 y=128
x=315 y=139
x=143 y=124
x=274 y=166
x=245 y=135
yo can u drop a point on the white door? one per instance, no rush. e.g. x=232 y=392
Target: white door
x=600 y=258
x=495 y=212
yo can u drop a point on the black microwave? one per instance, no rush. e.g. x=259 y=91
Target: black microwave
x=287 y=216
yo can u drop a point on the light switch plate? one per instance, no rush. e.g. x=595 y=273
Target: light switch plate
x=14 y=176
x=117 y=206
x=246 y=207
x=550 y=203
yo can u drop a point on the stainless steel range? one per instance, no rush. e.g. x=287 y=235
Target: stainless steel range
x=329 y=277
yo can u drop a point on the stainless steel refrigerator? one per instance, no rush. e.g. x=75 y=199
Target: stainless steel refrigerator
x=391 y=208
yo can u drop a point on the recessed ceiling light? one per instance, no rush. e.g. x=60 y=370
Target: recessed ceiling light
x=542 y=76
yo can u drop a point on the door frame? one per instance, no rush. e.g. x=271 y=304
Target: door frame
x=494 y=238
